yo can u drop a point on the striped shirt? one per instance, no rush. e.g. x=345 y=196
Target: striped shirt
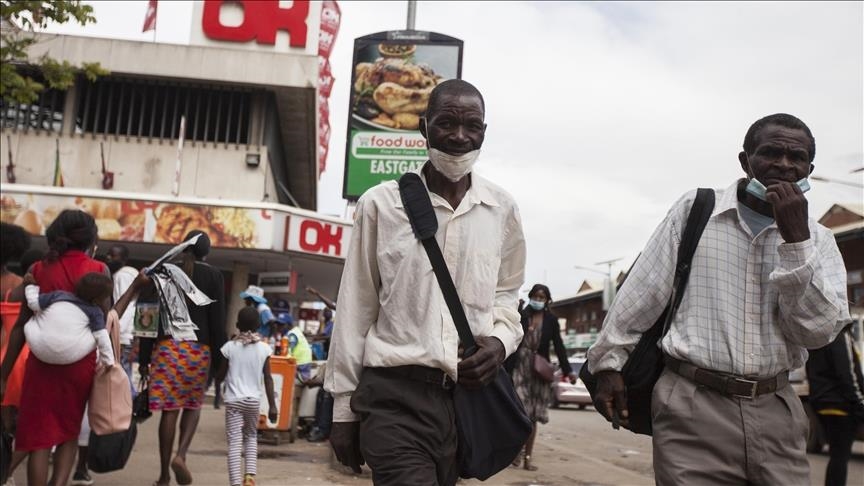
x=753 y=304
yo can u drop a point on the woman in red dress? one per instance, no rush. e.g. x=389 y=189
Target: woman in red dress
x=54 y=397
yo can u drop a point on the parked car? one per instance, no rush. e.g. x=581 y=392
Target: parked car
x=565 y=393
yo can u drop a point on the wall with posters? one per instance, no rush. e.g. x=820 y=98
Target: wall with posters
x=392 y=76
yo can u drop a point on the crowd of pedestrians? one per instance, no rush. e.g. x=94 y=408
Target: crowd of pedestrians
x=766 y=284
x=56 y=303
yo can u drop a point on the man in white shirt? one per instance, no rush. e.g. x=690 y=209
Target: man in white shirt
x=123 y=275
x=394 y=355
x=766 y=283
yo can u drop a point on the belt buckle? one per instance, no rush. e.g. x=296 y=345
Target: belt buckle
x=753 y=384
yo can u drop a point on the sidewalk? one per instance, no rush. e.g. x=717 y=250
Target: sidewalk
x=305 y=463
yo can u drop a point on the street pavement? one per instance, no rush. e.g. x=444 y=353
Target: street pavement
x=576 y=448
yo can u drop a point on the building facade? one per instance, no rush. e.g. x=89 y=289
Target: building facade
x=219 y=135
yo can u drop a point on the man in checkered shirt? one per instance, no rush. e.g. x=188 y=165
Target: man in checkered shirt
x=767 y=282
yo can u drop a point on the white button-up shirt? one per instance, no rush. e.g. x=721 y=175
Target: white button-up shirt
x=752 y=306
x=391 y=310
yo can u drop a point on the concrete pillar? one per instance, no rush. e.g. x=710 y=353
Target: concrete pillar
x=239 y=282
x=69 y=110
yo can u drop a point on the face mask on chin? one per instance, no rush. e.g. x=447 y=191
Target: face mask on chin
x=453 y=167
x=759 y=191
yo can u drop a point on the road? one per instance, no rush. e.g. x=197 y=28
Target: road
x=576 y=448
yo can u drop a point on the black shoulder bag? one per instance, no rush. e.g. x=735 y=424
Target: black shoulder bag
x=491 y=422
x=646 y=362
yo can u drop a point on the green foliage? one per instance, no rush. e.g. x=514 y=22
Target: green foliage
x=21 y=19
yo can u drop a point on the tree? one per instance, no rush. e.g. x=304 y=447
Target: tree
x=20 y=20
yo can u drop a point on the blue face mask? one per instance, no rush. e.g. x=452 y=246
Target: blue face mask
x=758 y=189
x=536 y=304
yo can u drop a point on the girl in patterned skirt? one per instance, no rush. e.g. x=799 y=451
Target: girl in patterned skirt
x=247 y=359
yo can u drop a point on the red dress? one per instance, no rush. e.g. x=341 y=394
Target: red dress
x=54 y=397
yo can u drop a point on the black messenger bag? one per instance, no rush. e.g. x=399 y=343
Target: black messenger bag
x=646 y=361
x=491 y=422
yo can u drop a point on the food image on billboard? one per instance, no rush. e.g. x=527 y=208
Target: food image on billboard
x=393 y=75
x=144 y=221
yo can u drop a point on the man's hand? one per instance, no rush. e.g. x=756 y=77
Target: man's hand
x=345 y=439
x=572 y=376
x=480 y=368
x=273 y=414
x=141 y=280
x=611 y=399
x=790 y=211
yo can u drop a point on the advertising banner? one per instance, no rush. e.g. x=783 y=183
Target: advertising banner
x=393 y=74
x=307 y=235
x=145 y=221
x=331 y=17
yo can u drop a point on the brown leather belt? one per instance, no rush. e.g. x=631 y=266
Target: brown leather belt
x=432 y=376
x=734 y=386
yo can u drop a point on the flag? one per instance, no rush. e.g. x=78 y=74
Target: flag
x=58 y=174
x=150 y=18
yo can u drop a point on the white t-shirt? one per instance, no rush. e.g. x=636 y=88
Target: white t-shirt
x=245 y=377
x=123 y=279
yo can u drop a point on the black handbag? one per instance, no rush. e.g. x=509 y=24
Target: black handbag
x=646 y=361
x=491 y=422
x=110 y=452
x=141 y=403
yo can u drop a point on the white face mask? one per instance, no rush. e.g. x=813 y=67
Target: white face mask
x=453 y=167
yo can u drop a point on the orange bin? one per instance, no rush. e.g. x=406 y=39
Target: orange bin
x=283 y=369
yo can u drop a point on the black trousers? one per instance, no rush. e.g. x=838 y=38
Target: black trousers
x=840 y=432
x=407 y=430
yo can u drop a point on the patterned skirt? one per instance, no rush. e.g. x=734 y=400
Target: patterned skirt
x=535 y=393
x=178 y=374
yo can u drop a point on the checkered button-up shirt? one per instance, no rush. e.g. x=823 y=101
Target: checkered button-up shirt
x=752 y=306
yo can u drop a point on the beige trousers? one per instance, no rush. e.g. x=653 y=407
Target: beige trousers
x=702 y=437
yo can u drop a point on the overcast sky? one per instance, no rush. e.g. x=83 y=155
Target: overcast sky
x=602 y=114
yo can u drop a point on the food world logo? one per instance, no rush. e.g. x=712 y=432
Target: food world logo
x=260 y=21
x=308 y=235
x=383 y=144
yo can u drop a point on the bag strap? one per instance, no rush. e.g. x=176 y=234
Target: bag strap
x=700 y=211
x=112 y=324
x=418 y=207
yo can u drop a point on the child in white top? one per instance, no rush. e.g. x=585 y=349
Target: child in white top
x=247 y=360
x=65 y=327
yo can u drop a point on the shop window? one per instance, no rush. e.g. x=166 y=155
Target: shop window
x=45 y=114
x=153 y=109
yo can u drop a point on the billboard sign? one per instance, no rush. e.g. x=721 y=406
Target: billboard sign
x=263 y=25
x=143 y=221
x=393 y=74
x=313 y=236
